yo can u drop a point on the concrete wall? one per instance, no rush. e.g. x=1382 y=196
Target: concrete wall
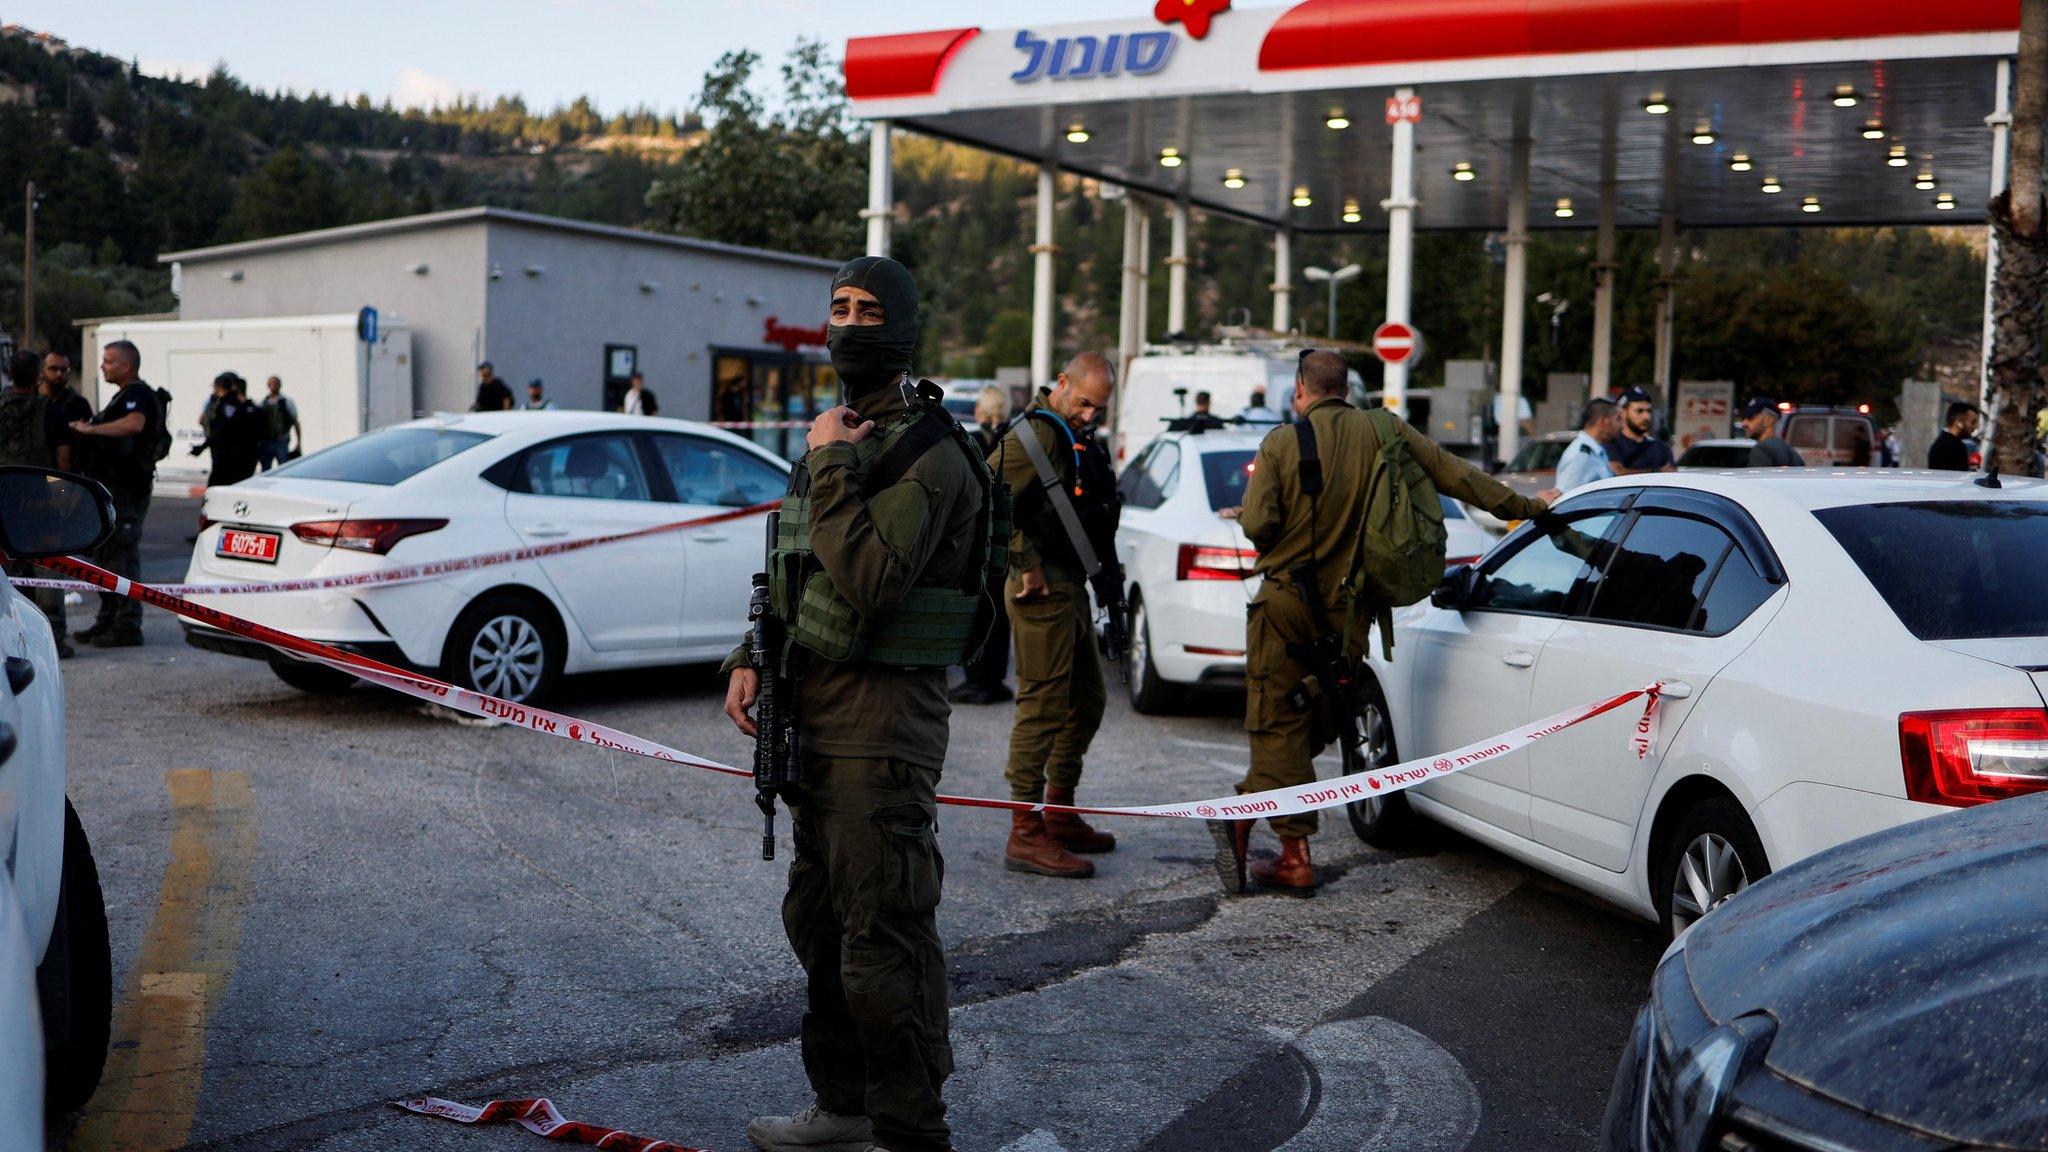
x=555 y=323
x=444 y=306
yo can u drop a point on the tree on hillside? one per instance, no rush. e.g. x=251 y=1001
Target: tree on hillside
x=791 y=180
x=291 y=192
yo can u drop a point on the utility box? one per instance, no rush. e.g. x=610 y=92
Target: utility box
x=343 y=387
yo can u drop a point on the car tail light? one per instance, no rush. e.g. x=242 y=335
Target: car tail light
x=1976 y=461
x=1974 y=756
x=1201 y=562
x=378 y=536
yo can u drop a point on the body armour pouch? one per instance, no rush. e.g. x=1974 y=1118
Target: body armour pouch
x=931 y=627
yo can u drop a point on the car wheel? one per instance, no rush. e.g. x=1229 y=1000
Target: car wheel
x=318 y=679
x=75 y=983
x=1381 y=821
x=1150 y=695
x=1713 y=854
x=505 y=646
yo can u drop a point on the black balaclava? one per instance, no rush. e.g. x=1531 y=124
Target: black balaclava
x=870 y=357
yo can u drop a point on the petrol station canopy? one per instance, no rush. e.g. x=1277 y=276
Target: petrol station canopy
x=1857 y=111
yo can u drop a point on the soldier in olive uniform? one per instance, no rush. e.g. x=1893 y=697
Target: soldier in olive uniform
x=863 y=889
x=1289 y=530
x=1059 y=677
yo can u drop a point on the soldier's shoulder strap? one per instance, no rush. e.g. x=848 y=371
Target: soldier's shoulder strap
x=924 y=432
x=1311 y=462
x=1062 y=503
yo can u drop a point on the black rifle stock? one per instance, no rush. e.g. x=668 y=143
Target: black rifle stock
x=775 y=741
x=1334 y=672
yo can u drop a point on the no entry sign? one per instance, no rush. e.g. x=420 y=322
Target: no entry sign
x=1395 y=343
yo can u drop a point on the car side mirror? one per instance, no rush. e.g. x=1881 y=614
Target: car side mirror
x=1456 y=587
x=44 y=512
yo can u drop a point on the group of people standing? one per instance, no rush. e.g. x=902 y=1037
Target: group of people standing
x=246 y=435
x=494 y=395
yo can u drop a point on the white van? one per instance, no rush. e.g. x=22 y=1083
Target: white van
x=1162 y=383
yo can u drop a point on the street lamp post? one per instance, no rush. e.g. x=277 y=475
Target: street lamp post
x=1347 y=272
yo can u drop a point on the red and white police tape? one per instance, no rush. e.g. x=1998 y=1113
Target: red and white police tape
x=1310 y=797
x=542 y=1118
x=414 y=572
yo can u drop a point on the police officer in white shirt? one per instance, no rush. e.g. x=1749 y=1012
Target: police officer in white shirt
x=1585 y=458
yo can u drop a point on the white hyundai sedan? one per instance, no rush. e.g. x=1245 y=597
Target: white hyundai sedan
x=1189 y=571
x=456 y=486
x=1842 y=652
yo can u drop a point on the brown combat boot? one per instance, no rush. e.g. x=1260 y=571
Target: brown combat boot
x=1233 y=838
x=1290 y=872
x=1031 y=850
x=1073 y=833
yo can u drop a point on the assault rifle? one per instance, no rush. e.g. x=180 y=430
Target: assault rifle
x=1108 y=583
x=1332 y=682
x=776 y=763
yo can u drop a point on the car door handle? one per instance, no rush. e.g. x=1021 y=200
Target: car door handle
x=710 y=537
x=1518 y=660
x=546 y=531
x=21 y=672
x=1674 y=689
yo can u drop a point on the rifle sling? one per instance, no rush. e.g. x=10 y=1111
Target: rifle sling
x=1062 y=505
x=896 y=462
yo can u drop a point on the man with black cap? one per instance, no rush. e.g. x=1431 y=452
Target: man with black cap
x=1637 y=449
x=865 y=525
x=1759 y=420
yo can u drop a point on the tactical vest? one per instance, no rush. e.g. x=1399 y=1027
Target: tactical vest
x=932 y=627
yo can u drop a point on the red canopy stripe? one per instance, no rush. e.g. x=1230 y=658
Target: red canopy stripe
x=880 y=67
x=1348 y=33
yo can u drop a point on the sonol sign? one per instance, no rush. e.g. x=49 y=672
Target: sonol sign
x=1089 y=57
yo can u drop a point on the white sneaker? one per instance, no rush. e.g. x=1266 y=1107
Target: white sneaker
x=812 y=1130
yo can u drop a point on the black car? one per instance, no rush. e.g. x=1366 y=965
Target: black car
x=1890 y=995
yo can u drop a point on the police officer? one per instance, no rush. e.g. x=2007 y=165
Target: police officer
x=1059 y=677
x=1289 y=530
x=865 y=883
x=123 y=441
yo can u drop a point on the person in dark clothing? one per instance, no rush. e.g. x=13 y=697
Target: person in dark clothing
x=984 y=682
x=26 y=434
x=1948 y=453
x=66 y=406
x=124 y=438
x=235 y=430
x=1638 y=449
x=491 y=393
x=1759 y=420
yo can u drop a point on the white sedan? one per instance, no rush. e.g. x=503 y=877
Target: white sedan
x=1189 y=571
x=456 y=486
x=1843 y=652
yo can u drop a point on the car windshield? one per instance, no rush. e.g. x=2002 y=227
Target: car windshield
x=391 y=456
x=1953 y=569
x=1538 y=455
x=1226 y=474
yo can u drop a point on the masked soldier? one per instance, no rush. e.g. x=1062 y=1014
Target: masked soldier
x=1315 y=538
x=1050 y=457
x=880 y=569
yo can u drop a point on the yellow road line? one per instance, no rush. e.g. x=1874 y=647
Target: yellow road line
x=147 y=1098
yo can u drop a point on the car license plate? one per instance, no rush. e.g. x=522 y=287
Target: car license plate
x=241 y=544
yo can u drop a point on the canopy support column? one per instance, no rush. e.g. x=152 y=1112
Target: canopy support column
x=1667 y=277
x=1129 y=320
x=1283 y=279
x=1514 y=306
x=1177 y=271
x=881 y=188
x=1603 y=271
x=1144 y=281
x=1400 y=207
x=1041 y=279
x=2000 y=122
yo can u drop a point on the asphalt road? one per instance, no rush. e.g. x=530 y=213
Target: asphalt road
x=320 y=905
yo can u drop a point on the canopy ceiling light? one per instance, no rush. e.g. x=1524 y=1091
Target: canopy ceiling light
x=1946 y=202
x=1810 y=204
x=1337 y=121
x=1703 y=133
x=1656 y=105
x=1897 y=157
x=1301 y=198
x=1771 y=186
x=1925 y=181
x=1233 y=178
x=1564 y=208
x=1739 y=162
x=1077 y=133
x=1462 y=171
x=1170 y=158
x=1873 y=129
x=1351 y=212
x=1846 y=96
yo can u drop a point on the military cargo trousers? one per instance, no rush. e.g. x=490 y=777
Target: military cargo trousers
x=1060 y=696
x=1283 y=737
x=861 y=916
x=122 y=553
